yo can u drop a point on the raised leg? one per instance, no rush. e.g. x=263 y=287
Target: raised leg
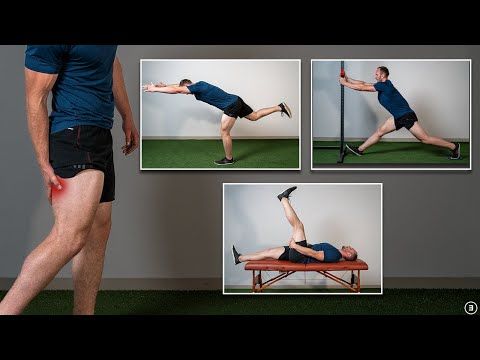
x=257 y=115
x=293 y=219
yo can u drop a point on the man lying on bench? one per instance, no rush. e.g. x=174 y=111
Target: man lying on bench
x=298 y=250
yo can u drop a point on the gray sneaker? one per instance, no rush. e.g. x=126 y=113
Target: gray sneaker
x=285 y=109
x=456 y=153
x=354 y=150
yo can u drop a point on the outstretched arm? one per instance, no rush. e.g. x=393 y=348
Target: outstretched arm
x=307 y=251
x=357 y=85
x=166 y=89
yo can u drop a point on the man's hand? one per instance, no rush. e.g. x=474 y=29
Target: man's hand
x=149 y=87
x=132 y=139
x=153 y=87
x=50 y=179
x=292 y=244
x=342 y=80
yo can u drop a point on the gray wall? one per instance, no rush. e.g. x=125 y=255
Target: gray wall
x=168 y=224
x=259 y=83
x=254 y=220
x=438 y=91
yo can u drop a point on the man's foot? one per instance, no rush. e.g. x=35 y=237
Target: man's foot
x=286 y=193
x=354 y=150
x=236 y=255
x=224 y=161
x=456 y=152
x=285 y=109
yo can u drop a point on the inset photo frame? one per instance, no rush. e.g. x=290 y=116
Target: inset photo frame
x=400 y=114
x=214 y=114
x=305 y=238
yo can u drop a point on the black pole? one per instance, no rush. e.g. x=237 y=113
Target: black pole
x=341 y=146
x=342 y=116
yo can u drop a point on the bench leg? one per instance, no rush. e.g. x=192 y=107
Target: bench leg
x=358 y=283
x=257 y=280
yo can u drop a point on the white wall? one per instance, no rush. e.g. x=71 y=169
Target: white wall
x=333 y=213
x=438 y=91
x=259 y=83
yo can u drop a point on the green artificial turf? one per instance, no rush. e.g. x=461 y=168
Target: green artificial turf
x=393 y=302
x=393 y=153
x=248 y=153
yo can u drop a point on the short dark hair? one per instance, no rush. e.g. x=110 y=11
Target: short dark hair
x=184 y=82
x=352 y=257
x=384 y=70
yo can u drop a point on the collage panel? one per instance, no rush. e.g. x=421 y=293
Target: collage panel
x=391 y=114
x=302 y=238
x=238 y=114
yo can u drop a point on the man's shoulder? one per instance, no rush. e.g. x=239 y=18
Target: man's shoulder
x=382 y=85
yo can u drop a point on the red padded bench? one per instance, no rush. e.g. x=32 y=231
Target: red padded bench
x=287 y=268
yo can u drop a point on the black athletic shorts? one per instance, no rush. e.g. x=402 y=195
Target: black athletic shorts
x=293 y=255
x=406 y=121
x=84 y=147
x=238 y=109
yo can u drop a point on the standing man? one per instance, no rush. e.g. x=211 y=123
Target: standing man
x=402 y=115
x=73 y=148
x=232 y=106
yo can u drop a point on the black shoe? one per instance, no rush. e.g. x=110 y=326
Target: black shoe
x=224 y=161
x=286 y=193
x=285 y=109
x=456 y=152
x=354 y=150
x=236 y=255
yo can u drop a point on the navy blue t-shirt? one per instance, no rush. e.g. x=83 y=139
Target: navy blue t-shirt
x=391 y=99
x=212 y=95
x=82 y=94
x=330 y=253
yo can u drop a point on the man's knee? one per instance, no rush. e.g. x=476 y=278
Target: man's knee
x=72 y=238
x=426 y=140
x=381 y=131
x=102 y=223
x=225 y=130
x=253 y=116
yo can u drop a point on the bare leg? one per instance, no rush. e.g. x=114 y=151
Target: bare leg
x=74 y=211
x=272 y=253
x=87 y=266
x=257 y=115
x=226 y=127
x=297 y=225
x=387 y=127
x=421 y=135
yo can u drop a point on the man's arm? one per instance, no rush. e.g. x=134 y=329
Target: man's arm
x=168 y=89
x=307 y=251
x=122 y=104
x=37 y=87
x=362 y=86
